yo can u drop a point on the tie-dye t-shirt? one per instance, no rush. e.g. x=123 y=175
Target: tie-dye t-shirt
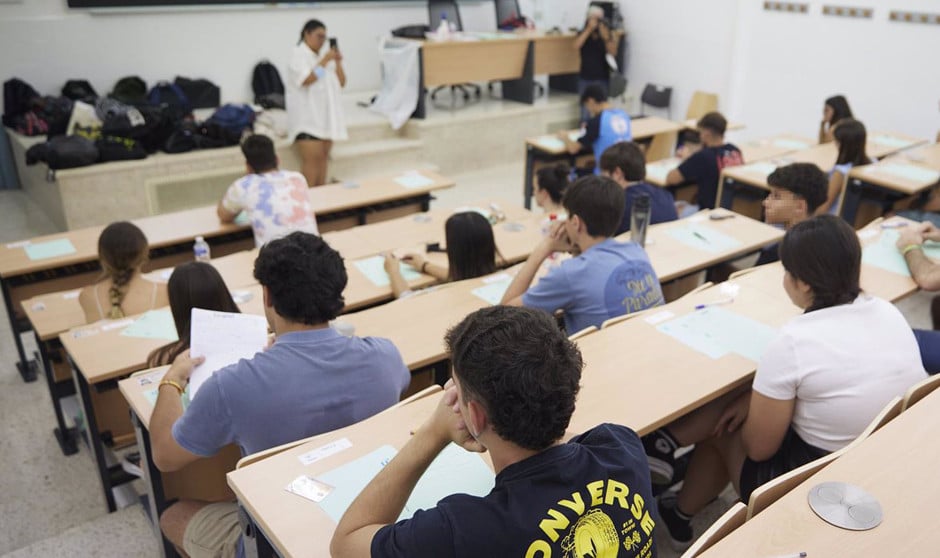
x=276 y=203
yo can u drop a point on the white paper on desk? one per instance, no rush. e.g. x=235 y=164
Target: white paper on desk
x=413 y=179
x=889 y=141
x=223 y=338
x=760 y=168
x=795 y=145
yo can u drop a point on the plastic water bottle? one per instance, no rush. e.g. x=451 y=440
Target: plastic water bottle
x=201 y=250
x=443 y=29
x=639 y=219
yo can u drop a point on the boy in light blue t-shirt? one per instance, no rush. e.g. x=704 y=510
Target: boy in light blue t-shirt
x=604 y=279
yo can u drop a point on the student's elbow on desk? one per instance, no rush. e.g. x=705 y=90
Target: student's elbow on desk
x=225 y=216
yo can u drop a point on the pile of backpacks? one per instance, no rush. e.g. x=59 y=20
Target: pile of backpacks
x=131 y=122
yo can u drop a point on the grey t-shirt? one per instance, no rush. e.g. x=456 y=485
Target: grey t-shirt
x=309 y=382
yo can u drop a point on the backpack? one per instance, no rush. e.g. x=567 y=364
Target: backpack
x=233 y=118
x=267 y=85
x=79 y=90
x=64 y=152
x=171 y=95
x=130 y=90
x=18 y=97
x=201 y=93
x=150 y=125
x=113 y=148
x=56 y=111
x=29 y=124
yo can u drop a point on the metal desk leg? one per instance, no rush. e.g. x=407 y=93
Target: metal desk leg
x=256 y=542
x=156 y=500
x=529 y=176
x=57 y=391
x=28 y=368
x=728 y=190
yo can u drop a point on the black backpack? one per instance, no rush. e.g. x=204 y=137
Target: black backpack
x=80 y=90
x=130 y=90
x=172 y=98
x=18 y=98
x=113 y=148
x=201 y=93
x=147 y=124
x=56 y=111
x=267 y=85
x=64 y=152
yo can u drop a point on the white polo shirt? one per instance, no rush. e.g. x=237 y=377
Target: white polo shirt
x=842 y=365
x=314 y=109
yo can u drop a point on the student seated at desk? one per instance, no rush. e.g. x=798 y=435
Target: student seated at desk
x=191 y=285
x=122 y=290
x=849 y=136
x=515 y=381
x=607 y=125
x=625 y=164
x=926 y=274
x=835 y=109
x=311 y=380
x=550 y=185
x=818 y=385
x=796 y=191
x=605 y=279
x=703 y=167
x=471 y=252
x=276 y=200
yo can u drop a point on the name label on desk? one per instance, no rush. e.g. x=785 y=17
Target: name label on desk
x=323 y=452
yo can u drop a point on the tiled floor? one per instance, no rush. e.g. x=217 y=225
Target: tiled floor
x=51 y=505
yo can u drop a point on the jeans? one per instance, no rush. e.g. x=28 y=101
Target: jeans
x=929 y=342
x=582 y=85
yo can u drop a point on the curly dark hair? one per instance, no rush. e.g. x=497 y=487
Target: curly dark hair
x=803 y=179
x=521 y=368
x=305 y=277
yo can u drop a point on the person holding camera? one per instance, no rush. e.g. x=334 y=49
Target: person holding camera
x=595 y=41
x=314 y=105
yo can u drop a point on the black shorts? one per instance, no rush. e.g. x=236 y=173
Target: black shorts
x=306 y=136
x=793 y=453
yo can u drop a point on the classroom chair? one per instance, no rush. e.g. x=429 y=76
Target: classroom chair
x=768 y=493
x=743 y=272
x=451 y=11
x=920 y=390
x=656 y=96
x=701 y=104
x=729 y=521
x=586 y=331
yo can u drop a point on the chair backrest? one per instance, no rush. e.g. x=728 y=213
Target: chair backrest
x=887 y=414
x=582 y=333
x=447 y=7
x=729 y=521
x=701 y=104
x=657 y=96
x=920 y=390
x=505 y=9
x=770 y=492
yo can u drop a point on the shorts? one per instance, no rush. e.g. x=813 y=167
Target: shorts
x=793 y=453
x=214 y=532
x=307 y=137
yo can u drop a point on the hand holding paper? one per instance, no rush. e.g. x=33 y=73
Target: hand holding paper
x=223 y=338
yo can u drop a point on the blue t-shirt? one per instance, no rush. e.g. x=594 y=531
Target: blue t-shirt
x=589 y=497
x=609 y=279
x=607 y=128
x=309 y=382
x=704 y=167
x=662 y=205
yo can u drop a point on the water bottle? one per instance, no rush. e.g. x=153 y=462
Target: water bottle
x=443 y=29
x=201 y=250
x=640 y=219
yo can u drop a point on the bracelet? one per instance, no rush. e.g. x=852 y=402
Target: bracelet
x=911 y=247
x=178 y=387
x=423 y=266
x=319 y=71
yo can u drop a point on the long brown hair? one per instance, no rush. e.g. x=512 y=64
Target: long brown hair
x=851 y=136
x=122 y=249
x=471 y=248
x=192 y=285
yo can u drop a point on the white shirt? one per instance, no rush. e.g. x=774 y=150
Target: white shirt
x=842 y=365
x=314 y=109
x=276 y=202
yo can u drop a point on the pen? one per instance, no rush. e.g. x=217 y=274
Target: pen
x=700 y=237
x=715 y=303
x=894 y=224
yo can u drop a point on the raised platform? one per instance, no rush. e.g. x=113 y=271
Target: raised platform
x=453 y=140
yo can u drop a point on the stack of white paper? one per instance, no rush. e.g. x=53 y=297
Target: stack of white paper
x=223 y=338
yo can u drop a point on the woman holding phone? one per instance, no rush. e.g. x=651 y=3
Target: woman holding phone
x=314 y=105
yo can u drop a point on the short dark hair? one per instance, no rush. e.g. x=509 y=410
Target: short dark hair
x=594 y=92
x=471 y=248
x=824 y=253
x=805 y=180
x=598 y=201
x=310 y=26
x=713 y=121
x=840 y=108
x=554 y=180
x=851 y=136
x=627 y=157
x=304 y=276
x=521 y=368
x=259 y=153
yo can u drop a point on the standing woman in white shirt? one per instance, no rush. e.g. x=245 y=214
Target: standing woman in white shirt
x=314 y=107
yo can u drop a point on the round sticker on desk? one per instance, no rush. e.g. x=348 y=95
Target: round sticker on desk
x=422 y=218
x=514 y=227
x=845 y=505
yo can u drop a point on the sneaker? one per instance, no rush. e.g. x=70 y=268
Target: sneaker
x=675 y=526
x=131 y=464
x=660 y=451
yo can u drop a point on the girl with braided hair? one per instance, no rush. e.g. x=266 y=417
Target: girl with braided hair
x=122 y=290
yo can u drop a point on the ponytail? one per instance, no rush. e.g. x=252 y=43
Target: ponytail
x=122 y=249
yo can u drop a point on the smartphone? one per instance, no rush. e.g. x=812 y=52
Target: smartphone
x=332 y=43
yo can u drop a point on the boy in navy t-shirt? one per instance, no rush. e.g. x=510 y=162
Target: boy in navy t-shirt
x=704 y=167
x=625 y=164
x=608 y=125
x=516 y=378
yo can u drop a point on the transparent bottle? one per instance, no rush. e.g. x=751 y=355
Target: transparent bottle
x=201 y=251
x=443 y=29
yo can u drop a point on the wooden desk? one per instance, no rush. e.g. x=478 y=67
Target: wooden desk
x=171 y=236
x=662 y=134
x=893 y=178
x=906 y=494
x=201 y=480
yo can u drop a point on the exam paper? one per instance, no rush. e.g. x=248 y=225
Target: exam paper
x=704 y=238
x=413 y=179
x=884 y=253
x=492 y=291
x=374 y=269
x=223 y=338
x=717 y=332
x=49 y=249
